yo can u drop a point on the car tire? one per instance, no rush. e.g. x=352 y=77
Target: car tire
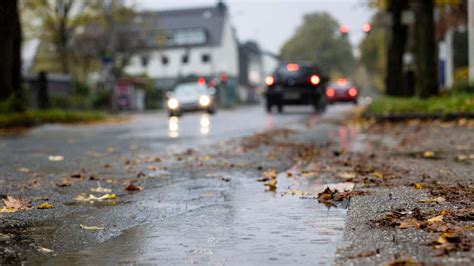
x=211 y=111
x=268 y=106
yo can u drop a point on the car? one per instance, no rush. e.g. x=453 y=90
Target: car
x=342 y=91
x=296 y=84
x=191 y=96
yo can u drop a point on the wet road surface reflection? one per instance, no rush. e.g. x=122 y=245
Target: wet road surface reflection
x=243 y=226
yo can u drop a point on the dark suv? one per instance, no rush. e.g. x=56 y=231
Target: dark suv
x=296 y=84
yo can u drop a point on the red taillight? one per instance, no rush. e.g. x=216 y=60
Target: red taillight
x=292 y=67
x=330 y=92
x=202 y=81
x=315 y=79
x=270 y=80
x=352 y=92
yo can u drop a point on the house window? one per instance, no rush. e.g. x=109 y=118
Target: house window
x=185 y=59
x=164 y=60
x=144 y=60
x=205 y=58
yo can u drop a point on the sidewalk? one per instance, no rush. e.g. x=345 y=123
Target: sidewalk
x=419 y=207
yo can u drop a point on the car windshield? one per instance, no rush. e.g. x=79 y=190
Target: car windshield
x=341 y=85
x=187 y=90
x=283 y=70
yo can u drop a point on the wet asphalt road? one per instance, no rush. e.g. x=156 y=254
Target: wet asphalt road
x=189 y=219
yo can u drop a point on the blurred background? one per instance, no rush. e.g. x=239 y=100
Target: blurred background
x=119 y=55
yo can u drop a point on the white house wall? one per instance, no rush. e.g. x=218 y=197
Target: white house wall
x=227 y=55
x=224 y=59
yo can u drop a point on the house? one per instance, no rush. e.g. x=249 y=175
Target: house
x=186 y=42
x=254 y=66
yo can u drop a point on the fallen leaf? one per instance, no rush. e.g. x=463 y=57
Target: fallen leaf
x=464 y=157
x=152 y=168
x=403 y=262
x=45 y=250
x=410 y=223
x=270 y=174
x=23 y=170
x=348 y=175
x=132 y=187
x=378 y=175
x=92 y=228
x=13 y=205
x=428 y=154
x=435 y=219
x=271 y=185
x=45 y=205
x=56 y=158
x=434 y=200
x=419 y=185
x=91 y=198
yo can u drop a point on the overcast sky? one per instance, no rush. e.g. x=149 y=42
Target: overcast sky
x=272 y=22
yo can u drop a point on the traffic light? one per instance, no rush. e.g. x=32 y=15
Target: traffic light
x=367 y=28
x=344 y=30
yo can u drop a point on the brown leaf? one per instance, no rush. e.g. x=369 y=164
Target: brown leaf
x=12 y=205
x=410 y=223
x=133 y=187
x=271 y=185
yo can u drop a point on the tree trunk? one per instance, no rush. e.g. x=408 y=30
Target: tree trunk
x=396 y=48
x=426 y=51
x=10 y=34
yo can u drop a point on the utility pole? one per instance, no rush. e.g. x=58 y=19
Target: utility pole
x=471 y=38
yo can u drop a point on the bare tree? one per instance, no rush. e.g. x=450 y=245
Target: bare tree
x=10 y=50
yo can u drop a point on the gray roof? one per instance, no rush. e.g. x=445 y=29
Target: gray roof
x=211 y=19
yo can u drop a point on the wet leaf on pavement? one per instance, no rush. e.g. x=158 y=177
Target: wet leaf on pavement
x=92 y=228
x=403 y=262
x=419 y=185
x=132 y=187
x=434 y=200
x=45 y=205
x=45 y=250
x=271 y=185
x=450 y=242
x=23 y=170
x=55 y=158
x=428 y=154
x=12 y=204
x=91 y=198
x=410 y=223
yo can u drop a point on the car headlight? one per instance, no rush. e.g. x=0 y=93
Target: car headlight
x=204 y=100
x=173 y=104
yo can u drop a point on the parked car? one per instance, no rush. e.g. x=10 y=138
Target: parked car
x=192 y=96
x=296 y=84
x=342 y=91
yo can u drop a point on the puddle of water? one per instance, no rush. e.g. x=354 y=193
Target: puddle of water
x=249 y=226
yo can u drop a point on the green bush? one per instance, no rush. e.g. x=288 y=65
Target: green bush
x=462 y=87
x=453 y=103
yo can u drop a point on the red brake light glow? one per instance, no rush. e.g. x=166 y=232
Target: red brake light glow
x=315 y=79
x=352 y=92
x=202 y=81
x=367 y=27
x=330 y=92
x=269 y=80
x=292 y=67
